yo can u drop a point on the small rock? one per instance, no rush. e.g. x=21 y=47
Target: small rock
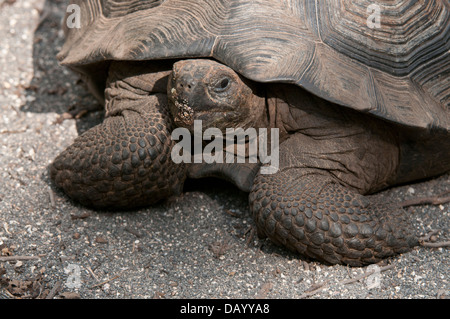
x=69 y=295
x=106 y=287
x=101 y=240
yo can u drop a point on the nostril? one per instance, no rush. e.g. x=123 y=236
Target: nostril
x=188 y=85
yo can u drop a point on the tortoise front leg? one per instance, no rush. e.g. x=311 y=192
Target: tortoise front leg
x=309 y=210
x=125 y=161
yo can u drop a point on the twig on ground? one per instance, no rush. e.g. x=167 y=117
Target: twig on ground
x=21 y=258
x=92 y=273
x=364 y=275
x=5 y=226
x=14 y=131
x=52 y=197
x=108 y=280
x=56 y=288
x=250 y=236
x=424 y=240
x=314 y=289
x=431 y=200
x=435 y=245
x=428 y=236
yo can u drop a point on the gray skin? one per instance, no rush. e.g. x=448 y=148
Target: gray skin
x=330 y=157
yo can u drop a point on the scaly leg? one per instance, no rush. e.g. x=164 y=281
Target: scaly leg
x=309 y=210
x=125 y=161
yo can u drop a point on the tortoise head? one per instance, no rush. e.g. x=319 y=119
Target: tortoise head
x=214 y=93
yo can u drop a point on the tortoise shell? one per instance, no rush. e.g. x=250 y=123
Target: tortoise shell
x=398 y=70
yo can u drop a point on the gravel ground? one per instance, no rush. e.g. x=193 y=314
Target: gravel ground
x=198 y=245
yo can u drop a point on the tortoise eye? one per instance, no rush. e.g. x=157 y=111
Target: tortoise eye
x=222 y=85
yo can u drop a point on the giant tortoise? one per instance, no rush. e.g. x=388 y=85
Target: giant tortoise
x=359 y=106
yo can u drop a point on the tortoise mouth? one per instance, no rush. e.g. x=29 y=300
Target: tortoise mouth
x=183 y=114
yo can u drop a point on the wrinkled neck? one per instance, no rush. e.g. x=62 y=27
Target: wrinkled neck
x=293 y=109
x=257 y=115
x=278 y=111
